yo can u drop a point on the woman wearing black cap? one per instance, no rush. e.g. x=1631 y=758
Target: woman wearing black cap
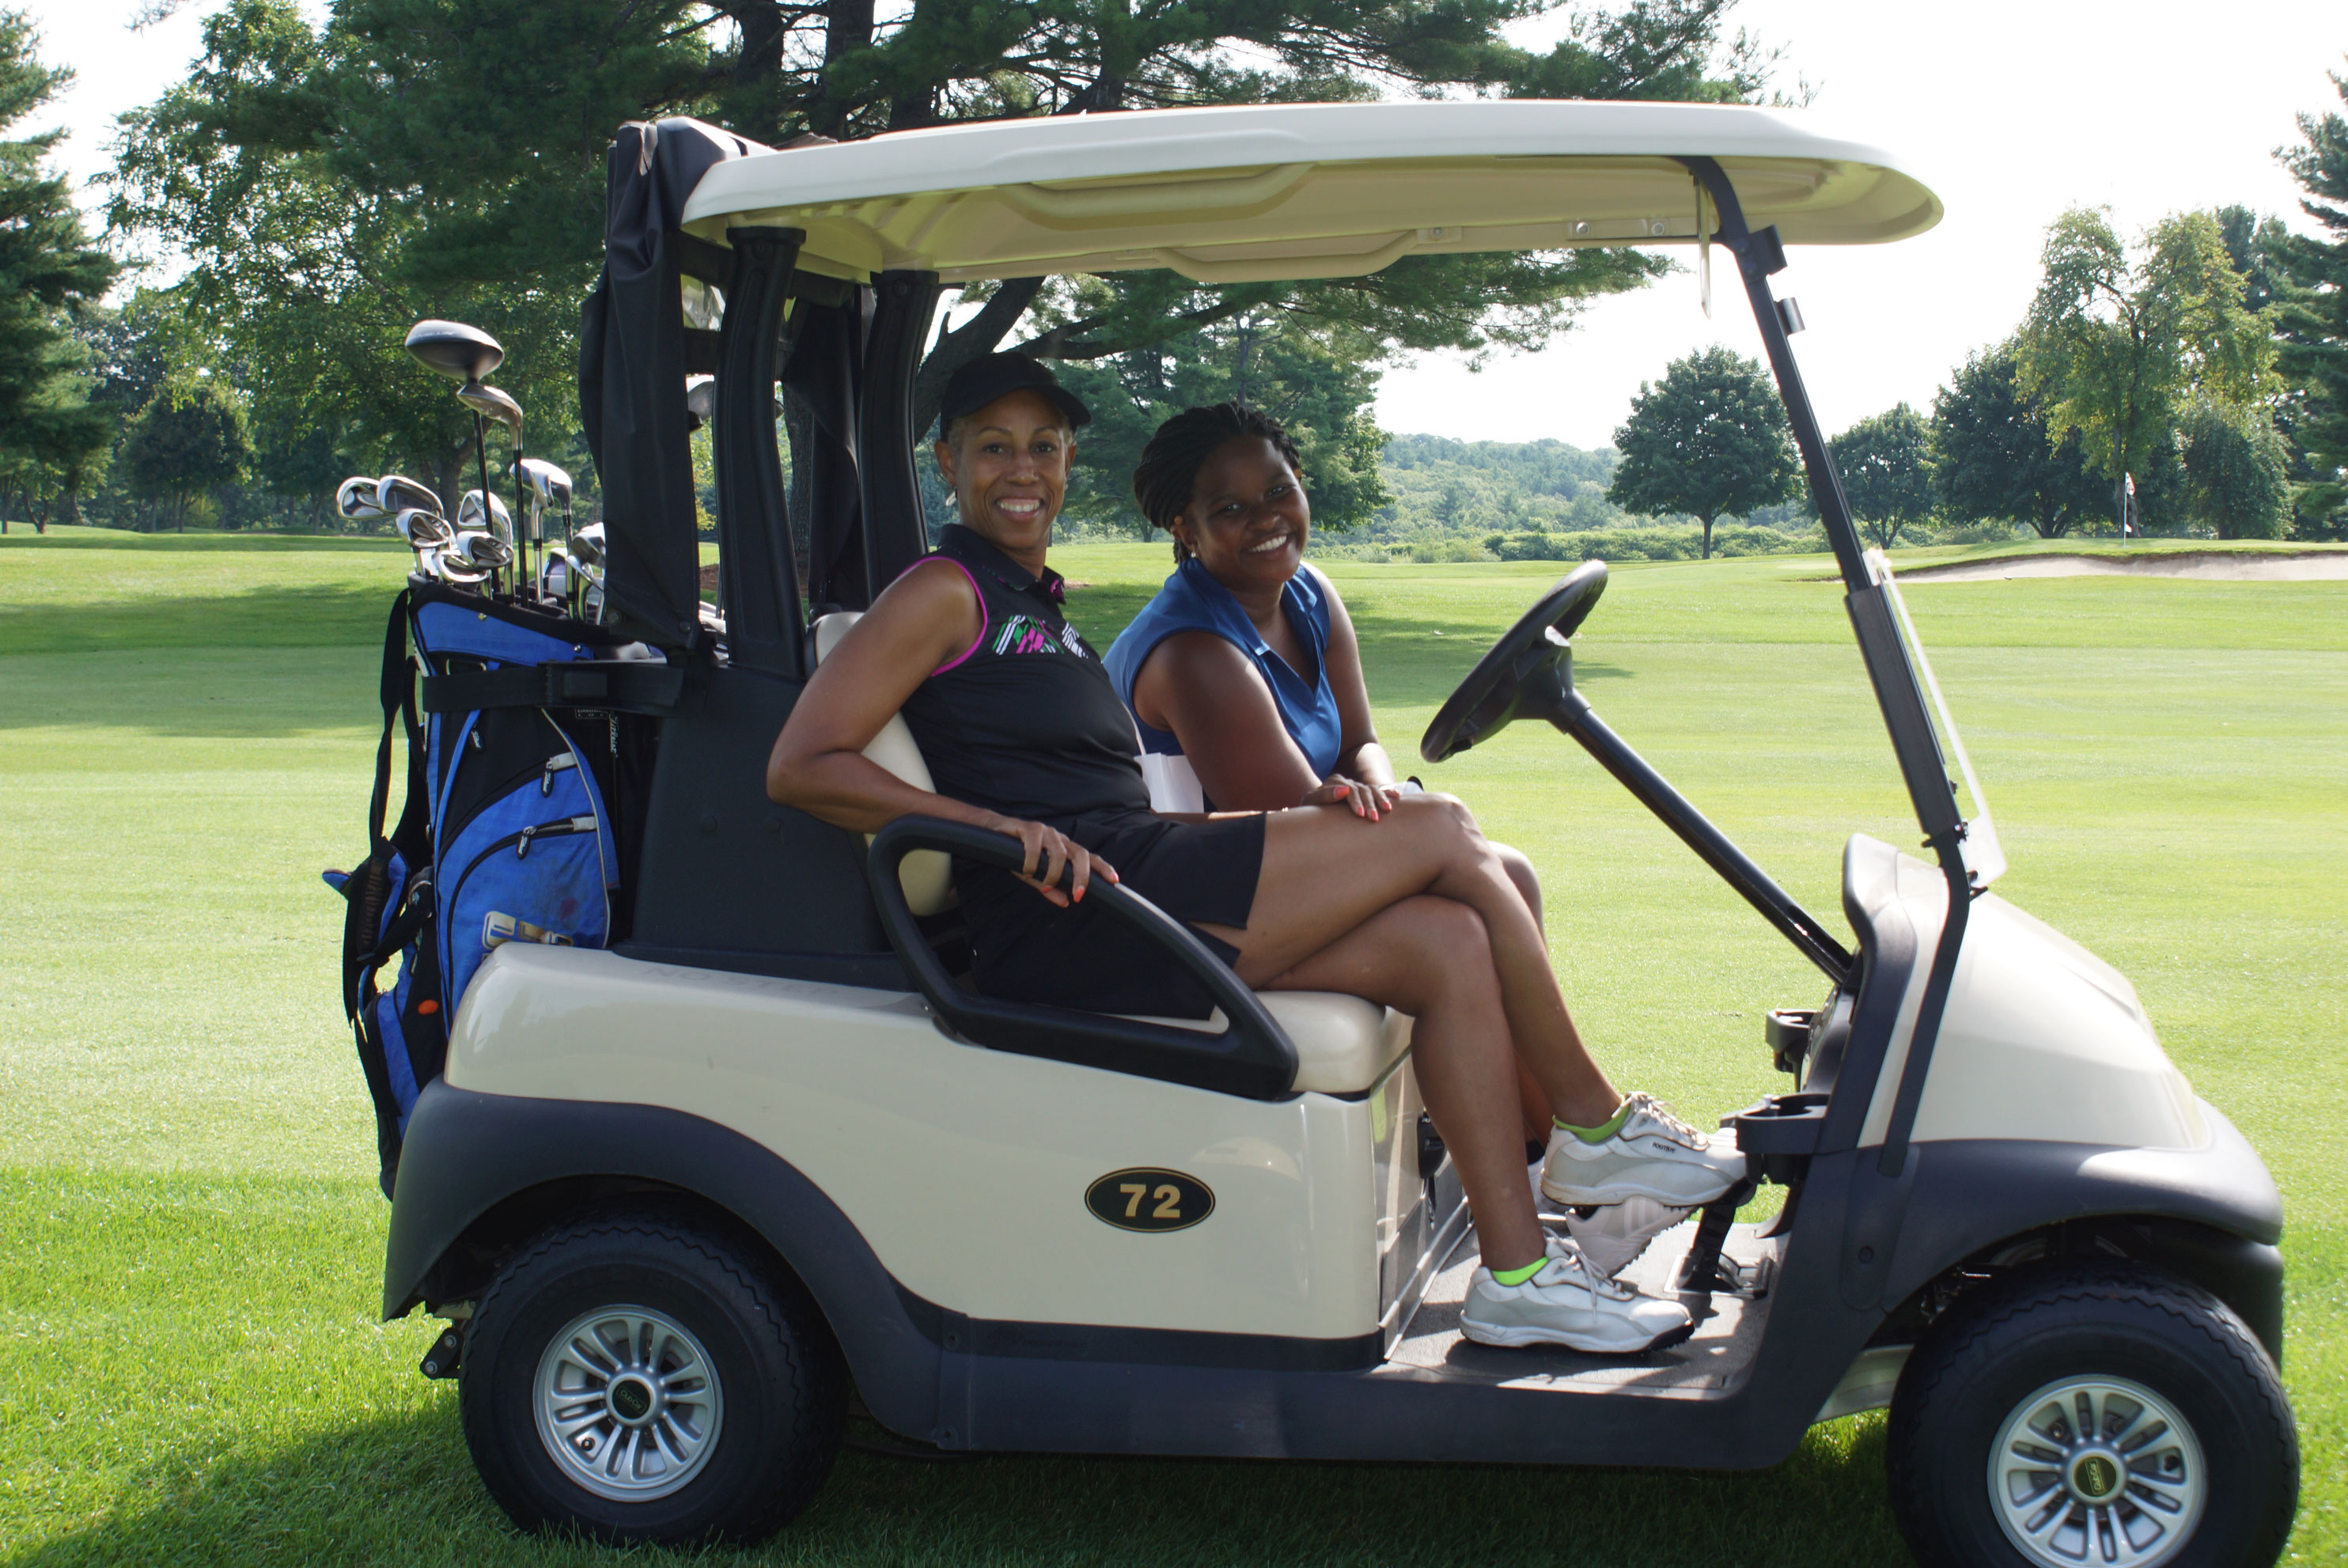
x=1024 y=734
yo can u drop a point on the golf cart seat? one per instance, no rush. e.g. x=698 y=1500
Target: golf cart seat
x=1345 y=1044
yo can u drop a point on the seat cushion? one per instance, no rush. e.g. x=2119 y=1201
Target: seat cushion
x=926 y=875
x=1345 y=1044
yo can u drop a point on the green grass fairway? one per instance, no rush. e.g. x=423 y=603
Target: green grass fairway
x=193 y=1373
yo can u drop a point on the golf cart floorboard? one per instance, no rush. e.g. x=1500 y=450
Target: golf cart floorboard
x=1710 y=1362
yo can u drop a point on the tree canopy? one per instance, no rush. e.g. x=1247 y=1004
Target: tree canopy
x=49 y=275
x=2236 y=470
x=1994 y=459
x=2114 y=345
x=1886 y=463
x=1709 y=440
x=189 y=437
x=408 y=158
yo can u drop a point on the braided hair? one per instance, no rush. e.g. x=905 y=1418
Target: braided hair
x=1168 y=470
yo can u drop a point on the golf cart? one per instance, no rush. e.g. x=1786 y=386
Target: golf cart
x=754 y=1153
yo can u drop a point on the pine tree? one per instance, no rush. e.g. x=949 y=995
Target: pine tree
x=2313 y=316
x=49 y=271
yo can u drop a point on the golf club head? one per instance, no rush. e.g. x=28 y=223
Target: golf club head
x=425 y=530
x=356 y=501
x=701 y=398
x=498 y=520
x=395 y=493
x=554 y=575
x=460 y=353
x=486 y=551
x=586 y=547
x=451 y=566
x=546 y=482
x=492 y=404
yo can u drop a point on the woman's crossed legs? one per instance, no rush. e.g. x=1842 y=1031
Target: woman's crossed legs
x=1420 y=913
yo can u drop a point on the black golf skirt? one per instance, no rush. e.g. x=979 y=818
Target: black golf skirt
x=1026 y=949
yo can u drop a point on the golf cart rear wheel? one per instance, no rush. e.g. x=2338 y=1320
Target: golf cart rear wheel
x=2093 y=1414
x=640 y=1380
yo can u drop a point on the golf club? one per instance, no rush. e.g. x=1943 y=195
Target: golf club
x=490 y=403
x=486 y=551
x=452 y=567
x=555 y=573
x=547 y=486
x=395 y=493
x=425 y=530
x=465 y=355
x=498 y=520
x=356 y=501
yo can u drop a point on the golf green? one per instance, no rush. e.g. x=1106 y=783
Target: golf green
x=193 y=1372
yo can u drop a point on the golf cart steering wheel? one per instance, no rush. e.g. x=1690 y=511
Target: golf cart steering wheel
x=1526 y=673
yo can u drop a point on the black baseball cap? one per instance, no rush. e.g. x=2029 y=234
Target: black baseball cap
x=982 y=381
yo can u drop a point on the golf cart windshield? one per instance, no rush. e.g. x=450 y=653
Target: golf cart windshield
x=1985 y=861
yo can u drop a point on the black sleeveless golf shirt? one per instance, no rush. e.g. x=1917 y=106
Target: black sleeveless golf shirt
x=1025 y=721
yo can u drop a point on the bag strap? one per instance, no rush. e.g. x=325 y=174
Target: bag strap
x=369 y=887
x=628 y=686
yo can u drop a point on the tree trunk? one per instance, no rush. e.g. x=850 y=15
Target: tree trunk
x=974 y=339
x=758 y=68
x=1708 y=536
x=848 y=28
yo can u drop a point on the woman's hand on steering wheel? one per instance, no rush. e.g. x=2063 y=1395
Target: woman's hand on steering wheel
x=1048 y=851
x=1367 y=801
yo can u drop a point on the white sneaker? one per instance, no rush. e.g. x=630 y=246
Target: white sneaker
x=1652 y=1154
x=1566 y=1304
x=1614 y=1235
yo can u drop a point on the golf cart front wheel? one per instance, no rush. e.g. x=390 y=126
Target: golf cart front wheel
x=638 y=1379
x=2093 y=1414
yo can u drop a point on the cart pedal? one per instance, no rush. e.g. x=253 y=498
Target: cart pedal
x=1747 y=1281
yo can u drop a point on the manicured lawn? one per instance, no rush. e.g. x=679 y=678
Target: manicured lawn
x=192 y=1373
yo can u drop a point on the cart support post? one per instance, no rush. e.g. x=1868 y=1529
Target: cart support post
x=1921 y=767
x=759 y=583
x=896 y=534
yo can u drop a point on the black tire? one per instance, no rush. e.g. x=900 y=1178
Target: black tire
x=768 y=1432
x=1982 y=1364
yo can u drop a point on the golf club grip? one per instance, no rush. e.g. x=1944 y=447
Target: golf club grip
x=1253 y=1056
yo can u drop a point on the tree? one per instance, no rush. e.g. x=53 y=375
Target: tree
x=2114 y=346
x=1886 y=463
x=1709 y=441
x=1318 y=383
x=1995 y=460
x=412 y=157
x=188 y=438
x=2236 y=470
x=49 y=272
x=2312 y=318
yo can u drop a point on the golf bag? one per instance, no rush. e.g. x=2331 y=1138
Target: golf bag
x=517 y=826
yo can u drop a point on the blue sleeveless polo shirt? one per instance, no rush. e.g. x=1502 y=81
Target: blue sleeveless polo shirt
x=1192 y=601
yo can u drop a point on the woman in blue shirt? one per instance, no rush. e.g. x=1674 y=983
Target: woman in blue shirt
x=1243 y=671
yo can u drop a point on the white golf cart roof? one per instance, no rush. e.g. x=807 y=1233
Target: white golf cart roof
x=1296 y=190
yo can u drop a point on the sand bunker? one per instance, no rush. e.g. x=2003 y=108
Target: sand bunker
x=2209 y=565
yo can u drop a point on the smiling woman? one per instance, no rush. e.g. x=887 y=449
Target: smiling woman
x=1024 y=734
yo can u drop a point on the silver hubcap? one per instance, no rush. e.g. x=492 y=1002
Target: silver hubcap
x=2097 y=1470
x=628 y=1404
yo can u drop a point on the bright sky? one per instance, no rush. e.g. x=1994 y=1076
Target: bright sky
x=2012 y=110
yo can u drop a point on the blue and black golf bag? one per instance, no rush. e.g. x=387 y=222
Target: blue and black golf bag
x=520 y=821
